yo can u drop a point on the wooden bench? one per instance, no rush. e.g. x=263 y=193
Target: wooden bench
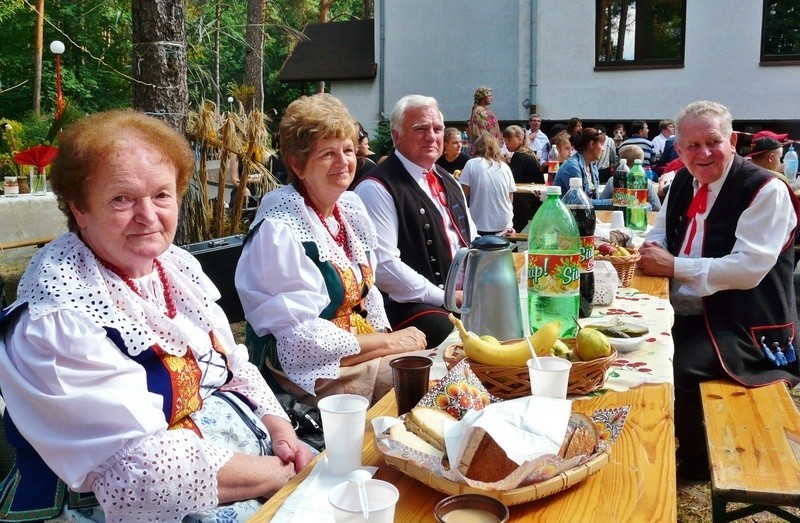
x=29 y=242
x=753 y=439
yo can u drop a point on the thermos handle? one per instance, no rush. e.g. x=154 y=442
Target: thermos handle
x=452 y=279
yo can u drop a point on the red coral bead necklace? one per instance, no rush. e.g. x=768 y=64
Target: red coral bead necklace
x=340 y=237
x=162 y=275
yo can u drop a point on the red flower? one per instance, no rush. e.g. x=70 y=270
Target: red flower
x=40 y=156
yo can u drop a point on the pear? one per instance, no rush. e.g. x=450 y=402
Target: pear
x=591 y=344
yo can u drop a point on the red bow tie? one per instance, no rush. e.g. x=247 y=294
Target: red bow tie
x=698 y=206
x=436 y=187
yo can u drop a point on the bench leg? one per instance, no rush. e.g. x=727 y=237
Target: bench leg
x=719 y=513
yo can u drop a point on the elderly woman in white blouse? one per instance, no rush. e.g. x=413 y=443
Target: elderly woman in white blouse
x=120 y=372
x=305 y=277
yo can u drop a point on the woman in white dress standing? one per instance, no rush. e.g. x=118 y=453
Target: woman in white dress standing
x=489 y=187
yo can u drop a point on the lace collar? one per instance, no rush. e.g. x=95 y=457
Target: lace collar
x=286 y=205
x=65 y=275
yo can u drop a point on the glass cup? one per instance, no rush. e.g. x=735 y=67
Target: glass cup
x=10 y=186
x=343 y=420
x=410 y=377
x=552 y=379
x=381 y=499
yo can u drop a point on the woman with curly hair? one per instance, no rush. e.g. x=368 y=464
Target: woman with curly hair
x=482 y=120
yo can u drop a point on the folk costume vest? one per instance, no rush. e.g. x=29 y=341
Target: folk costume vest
x=747 y=327
x=421 y=236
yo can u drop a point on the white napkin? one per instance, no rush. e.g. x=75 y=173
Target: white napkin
x=309 y=501
x=525 y=428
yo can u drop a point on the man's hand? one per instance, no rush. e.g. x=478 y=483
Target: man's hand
x=656 y=260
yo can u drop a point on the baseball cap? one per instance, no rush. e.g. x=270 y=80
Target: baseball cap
x=763 y=144
x=770 y=134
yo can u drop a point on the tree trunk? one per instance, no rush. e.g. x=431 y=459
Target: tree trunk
x=159 y=60
x=254 y=56
x=37 y=61
x=217 y=87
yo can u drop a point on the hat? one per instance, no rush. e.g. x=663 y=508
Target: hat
x=770 y=134
x=764 y=144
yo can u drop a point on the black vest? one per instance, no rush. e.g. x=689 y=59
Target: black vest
x=737 y=320
x=421 y=234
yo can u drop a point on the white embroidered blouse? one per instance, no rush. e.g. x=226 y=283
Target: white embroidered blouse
x=85 y=406
x=283 y=292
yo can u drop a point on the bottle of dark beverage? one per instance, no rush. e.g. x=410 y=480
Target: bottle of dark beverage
x=581 y=208
x=619 y=196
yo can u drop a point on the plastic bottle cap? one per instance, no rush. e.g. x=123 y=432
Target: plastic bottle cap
x=637 y=160
x=553 y=189
x=575 y=182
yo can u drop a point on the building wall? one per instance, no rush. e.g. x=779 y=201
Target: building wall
x=446 y=48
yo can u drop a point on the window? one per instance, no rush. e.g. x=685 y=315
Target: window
x=640 y=33
x=780 y=31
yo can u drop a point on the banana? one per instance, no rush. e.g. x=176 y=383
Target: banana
x=512 y=354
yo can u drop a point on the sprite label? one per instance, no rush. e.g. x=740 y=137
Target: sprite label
x=587 y=254
x=554 y=274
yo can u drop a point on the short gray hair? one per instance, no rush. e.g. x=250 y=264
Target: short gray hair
x=705 y=109
x=410 y=101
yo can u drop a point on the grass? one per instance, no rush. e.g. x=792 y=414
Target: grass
x=694 y=497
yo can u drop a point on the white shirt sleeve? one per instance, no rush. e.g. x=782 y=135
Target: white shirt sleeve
x=283 y=293
x=393 y=276
x=763 y=230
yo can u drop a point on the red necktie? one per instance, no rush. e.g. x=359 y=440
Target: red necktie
x=698 y=206
x=436 y=187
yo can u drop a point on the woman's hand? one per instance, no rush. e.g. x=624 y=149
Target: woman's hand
x=285 y=444
x=379 y=344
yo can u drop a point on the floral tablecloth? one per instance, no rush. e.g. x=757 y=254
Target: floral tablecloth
x=650 y=364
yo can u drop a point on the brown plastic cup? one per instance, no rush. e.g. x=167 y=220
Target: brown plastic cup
x=410 y=377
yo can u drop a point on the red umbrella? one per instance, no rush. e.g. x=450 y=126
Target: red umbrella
x=39 y=156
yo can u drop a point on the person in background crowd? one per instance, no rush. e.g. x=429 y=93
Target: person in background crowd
x=421 y=218
x=588 y=146
x=120 y=372
x=632 y=153
x=537 y=140
x=766 y=150
x=523 y=163
x=560 y=148
x=364 y=155
x=620 y=135
x=732 y=290
x=638 y=137
x=305 y=276
x=574 y=125
x=489 y=187
x=452 y=159
x=608 y=158
x=482 y=119
x=666 y=129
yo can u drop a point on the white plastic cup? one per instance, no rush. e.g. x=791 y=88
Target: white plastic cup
x=552 y=379
x=343 y=420
x=381 y=498
x=617 y=220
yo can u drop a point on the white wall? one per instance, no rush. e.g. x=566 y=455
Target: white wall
x=446 y=48
x=721 y=63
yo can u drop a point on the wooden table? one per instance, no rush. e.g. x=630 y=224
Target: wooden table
x=638 y=483
x=30 y=220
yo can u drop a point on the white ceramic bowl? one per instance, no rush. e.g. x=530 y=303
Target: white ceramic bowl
x=622 y=345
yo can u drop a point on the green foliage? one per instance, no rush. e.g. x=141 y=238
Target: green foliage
x=381 y=141
x=96 y=66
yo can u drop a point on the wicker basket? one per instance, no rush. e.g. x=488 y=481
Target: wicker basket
x=514 y=382
x=557 y=483
x=625 y=265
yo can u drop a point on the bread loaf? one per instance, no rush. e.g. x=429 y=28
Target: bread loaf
x=484 y=460
x=430 y=424
x=399 y=433
x=581 y=438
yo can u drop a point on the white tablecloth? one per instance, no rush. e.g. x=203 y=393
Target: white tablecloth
x=26 y=217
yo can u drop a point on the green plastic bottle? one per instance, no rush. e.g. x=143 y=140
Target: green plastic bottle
x=637 y=197
x=554 y=259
